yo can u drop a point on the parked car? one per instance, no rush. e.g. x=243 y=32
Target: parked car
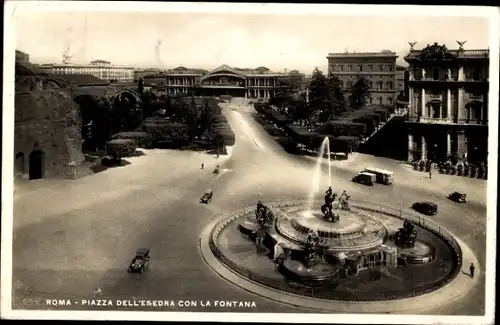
x=140 y=261
x=427 y=208
x=458 y=197
x=365 y=178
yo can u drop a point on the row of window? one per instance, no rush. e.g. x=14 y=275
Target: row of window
x=378 y=86
x=436 y=74
x=91 y=71
x=362 y=67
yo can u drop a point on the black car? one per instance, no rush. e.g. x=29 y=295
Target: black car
x=458 y=197
x=140 y=261
x=207 y=196
x=427 y=208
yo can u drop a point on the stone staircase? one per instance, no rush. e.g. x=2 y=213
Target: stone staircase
x=399 y=112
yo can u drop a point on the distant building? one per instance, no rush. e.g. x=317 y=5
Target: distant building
x=22 y=57
x=225 y=80
x=379 y=68
x=141 y=73
x=448 y=92
x=99 y=68
x=402 y=75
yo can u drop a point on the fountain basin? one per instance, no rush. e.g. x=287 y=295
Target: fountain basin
x=419 y=254
x=295 y=271
x=355 y=230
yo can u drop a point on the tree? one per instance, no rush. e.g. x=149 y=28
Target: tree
x=402 y=97
x=360 y=93
x=191 y=118
x=326 y=98
x=299 y=110
x=206 y=119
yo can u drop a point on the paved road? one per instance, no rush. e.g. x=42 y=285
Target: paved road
x=75 y=239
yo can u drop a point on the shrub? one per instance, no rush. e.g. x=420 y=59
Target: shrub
x=345 y=144
x=368 y=121
x=343 y=127
x=119 y=148
x=142 y=139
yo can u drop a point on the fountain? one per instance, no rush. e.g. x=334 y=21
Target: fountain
x=320 y=243
x=315 y=184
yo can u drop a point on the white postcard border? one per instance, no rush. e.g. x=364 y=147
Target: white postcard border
x=11 y=7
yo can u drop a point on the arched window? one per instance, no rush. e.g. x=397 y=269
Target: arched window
x=389 y=100
x=380 y=85
x=360 y=68
x=380 y=100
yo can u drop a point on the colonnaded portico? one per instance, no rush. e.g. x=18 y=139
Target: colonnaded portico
x=448 y=101
x=225 y=80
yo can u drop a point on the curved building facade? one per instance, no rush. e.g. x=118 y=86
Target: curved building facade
x=225 y=80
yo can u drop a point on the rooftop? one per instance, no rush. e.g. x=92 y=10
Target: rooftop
x=384 y=53
x=80 y=79
x=436 y=51
x=83 y=65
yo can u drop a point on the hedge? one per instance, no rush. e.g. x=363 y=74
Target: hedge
x=142 y=139
x=343 y=127
x=280 y=118
x=368 y=121
x=166 y=131
x=344 y=144
x=119 y=148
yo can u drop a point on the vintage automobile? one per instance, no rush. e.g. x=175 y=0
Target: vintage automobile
x=207 y=196
x=458 y=197
x=427 y=208
x=365 y=178
x=140 y=261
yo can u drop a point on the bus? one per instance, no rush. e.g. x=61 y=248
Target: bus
x=382 y=176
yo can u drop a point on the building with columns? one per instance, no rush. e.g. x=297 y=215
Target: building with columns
x=379 y=68
x=448 y=103
x=225 y=80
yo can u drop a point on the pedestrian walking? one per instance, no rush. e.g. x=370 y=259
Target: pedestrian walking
x=202 y=165
x=430 y=173
x=472 y=268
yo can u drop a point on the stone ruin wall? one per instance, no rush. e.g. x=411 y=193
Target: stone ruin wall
x=49 y=119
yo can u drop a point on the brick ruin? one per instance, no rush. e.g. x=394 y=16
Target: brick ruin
x=47 y=130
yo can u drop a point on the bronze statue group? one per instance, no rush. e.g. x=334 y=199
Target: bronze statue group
x=342 y=203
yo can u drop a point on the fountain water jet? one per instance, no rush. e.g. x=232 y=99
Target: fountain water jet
x=315 y=185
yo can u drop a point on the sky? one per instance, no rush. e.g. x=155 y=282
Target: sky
x=208 y=40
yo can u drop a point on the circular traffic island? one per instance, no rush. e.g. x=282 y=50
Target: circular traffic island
x=360 y=268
